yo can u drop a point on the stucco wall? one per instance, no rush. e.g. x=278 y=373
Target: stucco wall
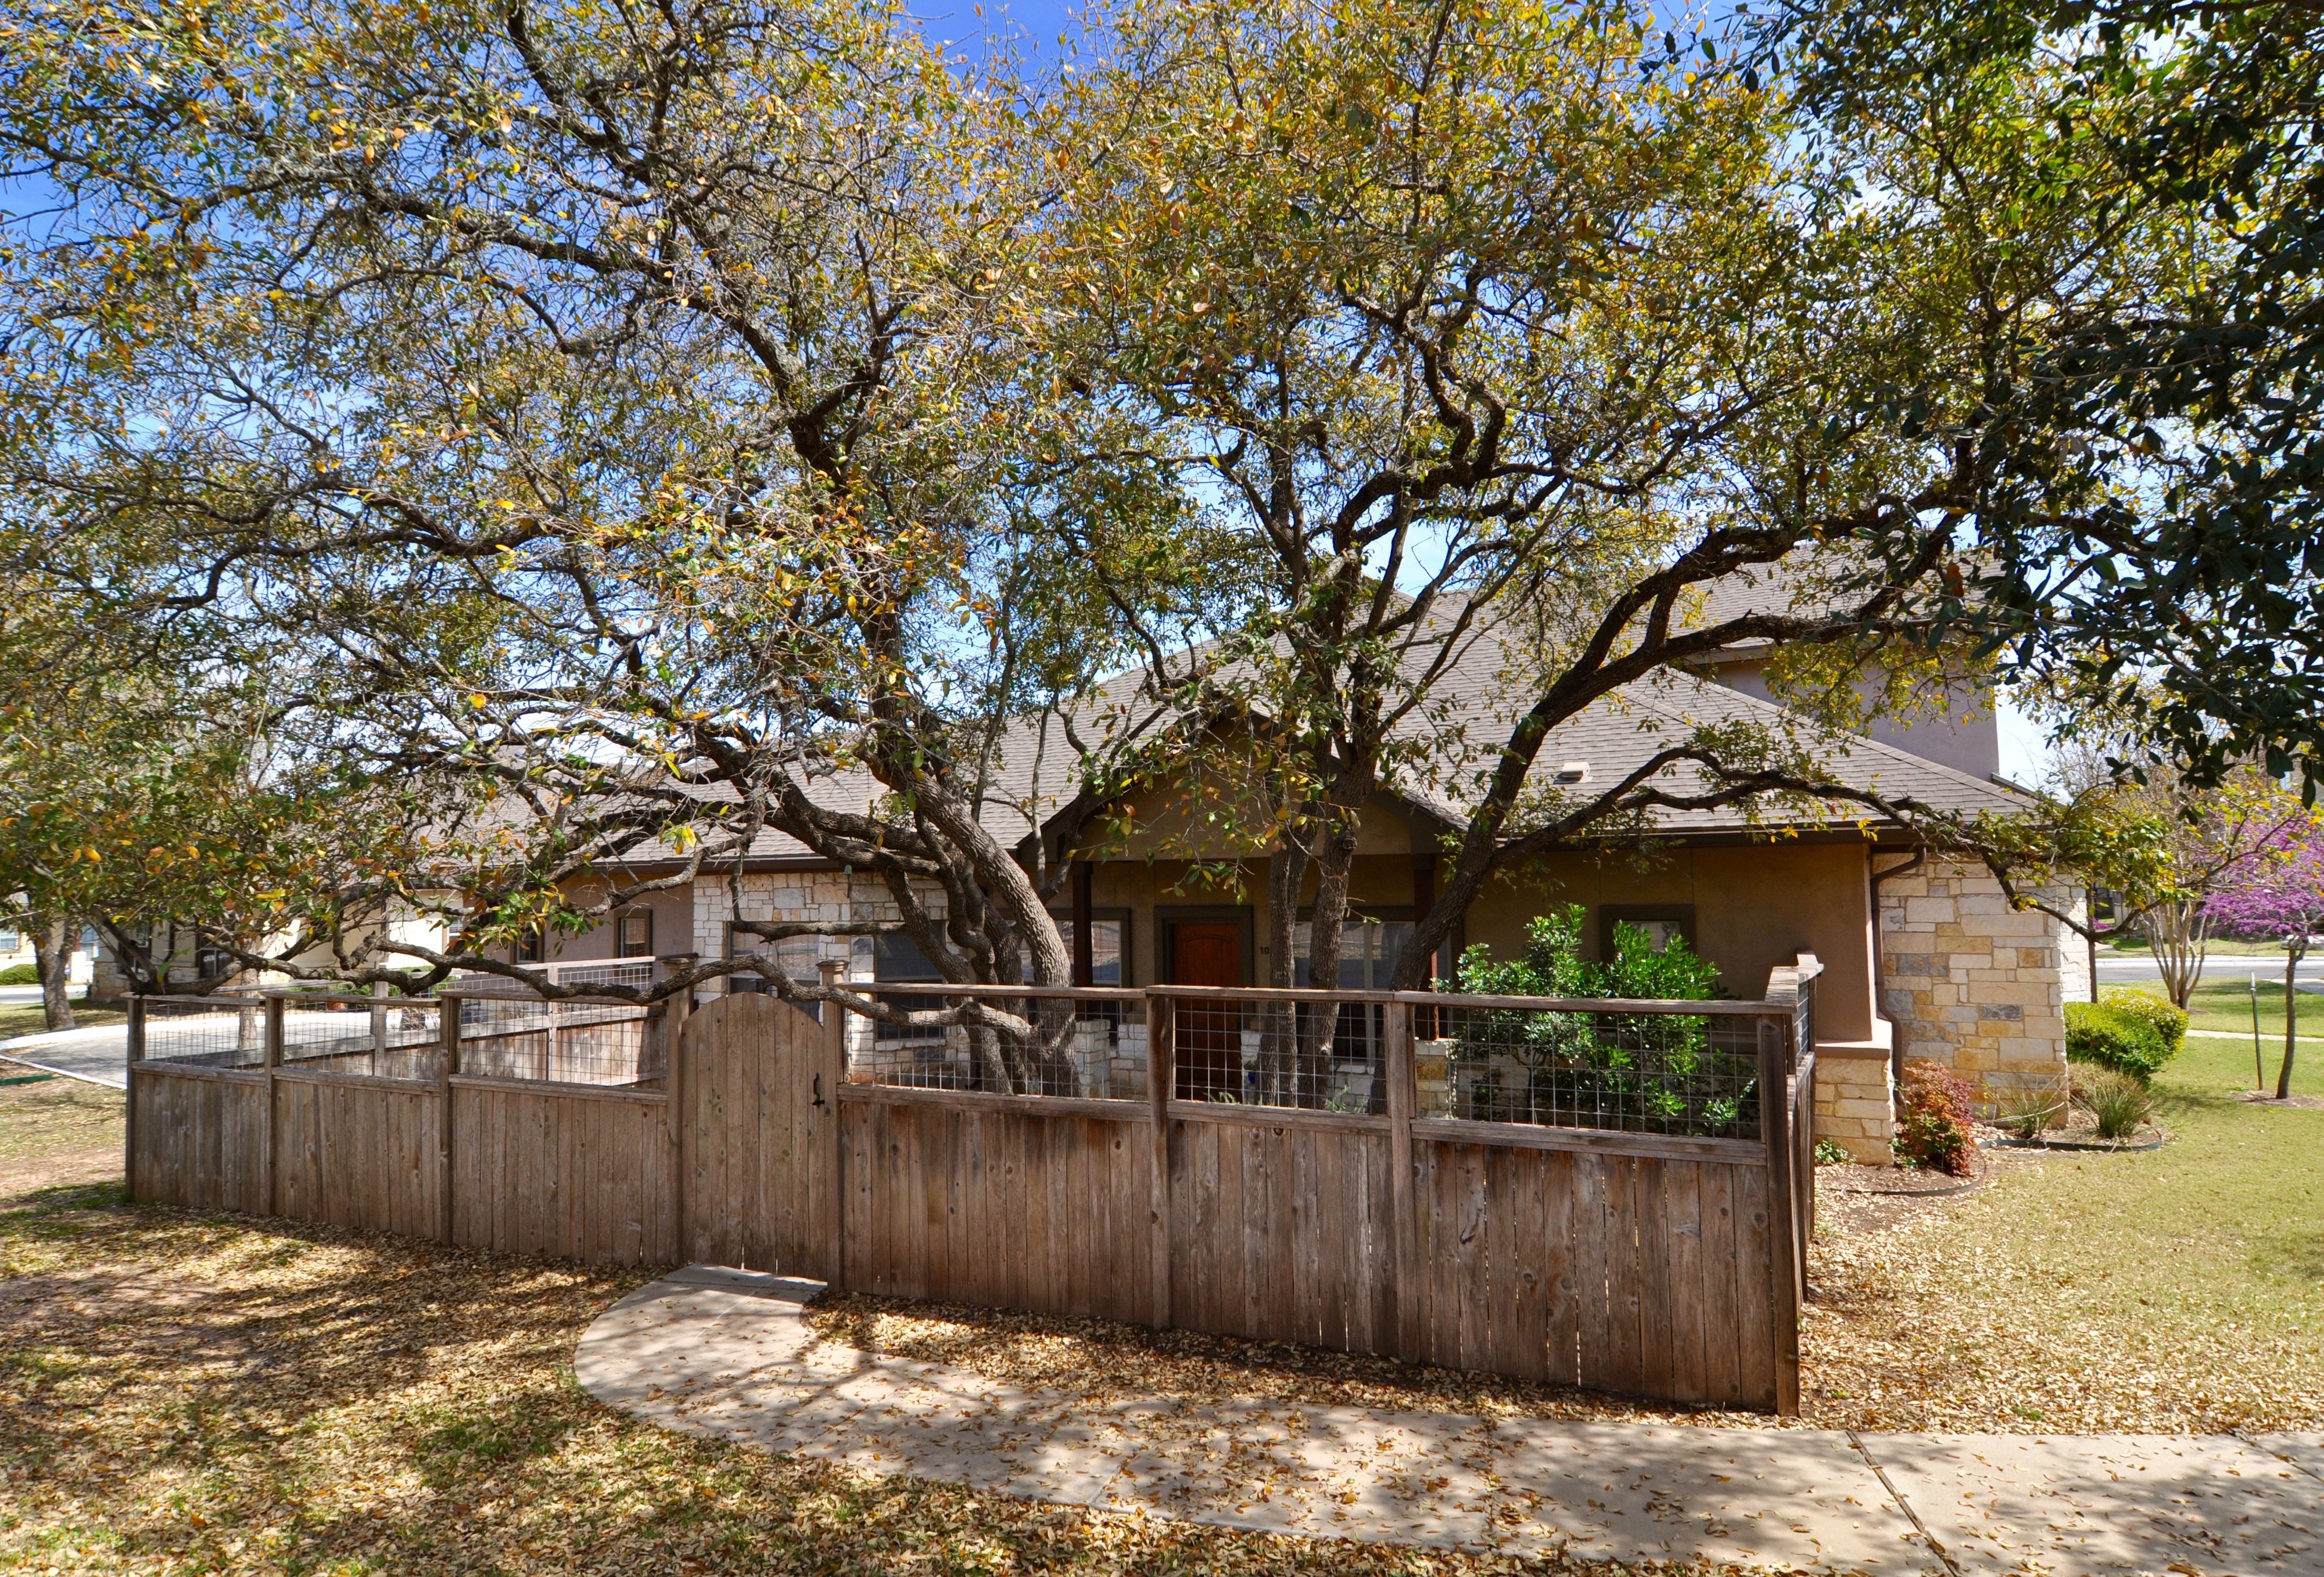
x=1974 y=983
x=1965 y=734
x=1756 y=908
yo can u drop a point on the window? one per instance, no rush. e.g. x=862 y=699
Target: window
x=1664 y=923
x=9 y=940
x=1369 y=950
x=633 y=935
x=1107 y=931
x=213 y=962
x=528 y=945
x=897 y=960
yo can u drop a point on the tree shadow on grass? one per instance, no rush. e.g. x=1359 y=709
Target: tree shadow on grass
x=212 y=1393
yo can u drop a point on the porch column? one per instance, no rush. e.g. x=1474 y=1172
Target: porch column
x=1424 y=899
x=1084 y=953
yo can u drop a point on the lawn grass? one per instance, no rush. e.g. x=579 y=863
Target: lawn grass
x=2177 y=1289
x=189 y=1394
x=26 y=1019
x=43 y=1117
x=2137 y=946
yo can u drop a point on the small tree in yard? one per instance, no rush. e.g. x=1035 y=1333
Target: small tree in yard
x=2280 y=893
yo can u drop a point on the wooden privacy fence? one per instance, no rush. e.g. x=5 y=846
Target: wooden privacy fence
x=1614 y=1195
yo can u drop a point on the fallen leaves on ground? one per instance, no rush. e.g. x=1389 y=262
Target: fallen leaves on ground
x=181 y=1394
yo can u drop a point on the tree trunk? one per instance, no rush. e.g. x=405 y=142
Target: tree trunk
x=1325 y=921
x=1286 y=874
x=2293 y=954
x=2177 y=936
x=52 y=961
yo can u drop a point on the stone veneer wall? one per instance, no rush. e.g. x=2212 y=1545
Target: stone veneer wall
x=1971 y=982
x=1856 y=1107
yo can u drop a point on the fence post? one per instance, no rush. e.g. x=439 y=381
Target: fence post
x=1403 y=1094
x=136 y=1038
x=272 y=1039
x=1161 y=1076
x=1775 y=1129
x=831 y=1163
x=379 y=1026
x=448 y=1033
x=676 y=1009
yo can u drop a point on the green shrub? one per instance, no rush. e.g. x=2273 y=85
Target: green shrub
x=1656 y=1073
x=1934 y=1129
x=2169 y=1022
x=20 y=974
x=2103 y=1035
x=1827 y=1153
x=2118 y=1102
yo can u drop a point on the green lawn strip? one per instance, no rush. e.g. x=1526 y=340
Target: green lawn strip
x=26 y=1019
x=2217 y=947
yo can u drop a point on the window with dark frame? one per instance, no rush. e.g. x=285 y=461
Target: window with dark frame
x=1662 y=922
x=633 y=935
x=897 y=960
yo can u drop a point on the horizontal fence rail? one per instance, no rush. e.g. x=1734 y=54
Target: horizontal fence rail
x=1613 y=1193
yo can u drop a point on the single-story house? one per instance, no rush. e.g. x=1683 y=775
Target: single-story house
x=1923 y=957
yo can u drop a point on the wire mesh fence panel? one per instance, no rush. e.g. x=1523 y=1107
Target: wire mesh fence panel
x=1313 y=1055
x=392 y=1037
x=1095 y=1048
x=563 y=1042
x=1679 y=1074
x=206 y=1032
x=619 y=971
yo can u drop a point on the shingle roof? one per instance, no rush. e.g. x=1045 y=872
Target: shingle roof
x=1037 y=773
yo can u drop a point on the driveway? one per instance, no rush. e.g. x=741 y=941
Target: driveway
x=99 y=1055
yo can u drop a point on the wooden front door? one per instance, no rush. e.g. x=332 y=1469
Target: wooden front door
x=1208 y=953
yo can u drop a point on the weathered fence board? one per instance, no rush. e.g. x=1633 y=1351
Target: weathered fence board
x=201 y=1138
x=1283 y=1232
x=567 y=1174
x=358 y=1153
x=950 y=1204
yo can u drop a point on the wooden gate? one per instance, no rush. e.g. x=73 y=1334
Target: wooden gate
x=755 y=1092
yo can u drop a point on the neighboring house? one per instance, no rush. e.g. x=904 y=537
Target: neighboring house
x=1923 y=957
x=16 y=951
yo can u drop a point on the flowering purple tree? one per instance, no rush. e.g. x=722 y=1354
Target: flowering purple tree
x=2279 y=891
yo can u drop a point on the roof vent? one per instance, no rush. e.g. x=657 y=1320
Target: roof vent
x=1572 y=772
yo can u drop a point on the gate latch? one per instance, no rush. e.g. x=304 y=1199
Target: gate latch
x=818 y=1089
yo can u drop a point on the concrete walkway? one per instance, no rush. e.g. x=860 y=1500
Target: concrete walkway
x=728 y=1355
x=98 y=1055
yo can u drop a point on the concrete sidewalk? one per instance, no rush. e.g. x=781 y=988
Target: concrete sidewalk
x=97 y=1055
x=729 y=1355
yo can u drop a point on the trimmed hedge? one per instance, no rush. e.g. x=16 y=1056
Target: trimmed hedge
x=2107 y=1037
x=2169 y=1022
x=20 y=974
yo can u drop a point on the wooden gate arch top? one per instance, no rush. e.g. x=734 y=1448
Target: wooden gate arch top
x=756 y=1095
